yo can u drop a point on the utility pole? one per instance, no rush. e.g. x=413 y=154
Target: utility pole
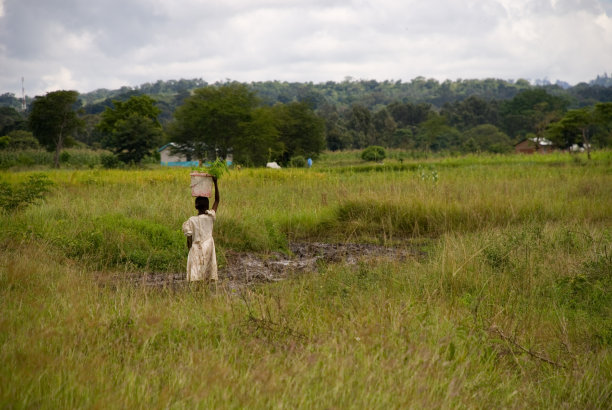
x=23 y=100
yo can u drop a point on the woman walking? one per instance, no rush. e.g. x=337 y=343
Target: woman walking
x=202 y=259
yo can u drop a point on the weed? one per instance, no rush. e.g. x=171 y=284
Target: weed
x=25 y=193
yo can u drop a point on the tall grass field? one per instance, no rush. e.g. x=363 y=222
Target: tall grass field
x=505 y=299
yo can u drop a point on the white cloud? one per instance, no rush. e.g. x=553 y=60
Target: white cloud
x=85 y=45
x=60 y=80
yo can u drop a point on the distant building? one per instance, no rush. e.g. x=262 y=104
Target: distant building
x=169 y=159
x=533 y=145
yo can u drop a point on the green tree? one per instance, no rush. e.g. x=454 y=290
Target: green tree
x=359 y=124
x=301 y=131
x=530 y=112
x=131 y=129
x=53 y=120
x=580 y=125
x=470 y=145
x=374 y=153
x=487 y=137
x=19 y=140
x=470 y=113
x=10 y=120
x=258 y=141
x=384 y=127
x=436 y=135
x=602 y=115
x=213 y=119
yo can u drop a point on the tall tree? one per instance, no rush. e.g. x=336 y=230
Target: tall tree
x=53 y=119
x=384 y=127
x=436 y=135
x=470 y=113
x=258 y=141
x=209 y=121
x=11 y=120
x=531 y=110
x=301 y=131
x=359 y=124
x=487 y=137
x=131 y=129
x=583 y=125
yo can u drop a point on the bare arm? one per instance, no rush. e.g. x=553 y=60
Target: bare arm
x=216 y=203
x=189 y=241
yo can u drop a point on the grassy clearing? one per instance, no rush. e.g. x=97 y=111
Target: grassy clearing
x=511 y=307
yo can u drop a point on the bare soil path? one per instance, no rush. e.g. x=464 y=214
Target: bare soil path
x=246 y=268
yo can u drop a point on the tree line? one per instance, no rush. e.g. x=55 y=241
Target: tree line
x=260 y=122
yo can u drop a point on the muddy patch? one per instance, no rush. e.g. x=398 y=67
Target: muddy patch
x=246 y=268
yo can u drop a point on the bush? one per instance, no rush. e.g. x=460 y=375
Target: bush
x=297 y=162
x=110 y=161
x=19 y=140
x=24 y=194
x=374 y=153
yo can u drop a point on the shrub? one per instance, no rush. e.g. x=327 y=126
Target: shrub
x=374 y=153
x=297 y=162
x=110 y=161
x=24 y=194
x=19 y=140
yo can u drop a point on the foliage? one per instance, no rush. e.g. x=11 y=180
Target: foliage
x=53 y=120
x=77 y=158
x=131 y=128
x=297 y=161
x=212 y=119
x=259 y=142
x=23 y=194
x=11 y=120
x=217 y=168
x=19 y=140
x=489 y=138
x=110 y=161
x=301 y=132
x=374 y=153
x=436 y=135
x=531 y=111
x=471 y=112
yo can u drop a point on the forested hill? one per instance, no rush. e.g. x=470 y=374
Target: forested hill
x=369 y=93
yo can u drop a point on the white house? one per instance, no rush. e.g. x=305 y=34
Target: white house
x=174 y=160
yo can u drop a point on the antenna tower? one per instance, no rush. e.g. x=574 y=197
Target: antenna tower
x=23 y=100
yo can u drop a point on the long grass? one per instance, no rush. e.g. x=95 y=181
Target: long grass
x=507 y=304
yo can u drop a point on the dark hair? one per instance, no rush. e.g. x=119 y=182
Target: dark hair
x=201 y=203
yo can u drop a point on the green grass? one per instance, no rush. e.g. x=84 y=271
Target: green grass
x=510 y=306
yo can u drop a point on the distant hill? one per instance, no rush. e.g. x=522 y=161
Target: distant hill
x=369 y=93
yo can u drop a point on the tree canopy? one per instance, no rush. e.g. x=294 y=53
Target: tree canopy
x=131 y=129
x=53 y=119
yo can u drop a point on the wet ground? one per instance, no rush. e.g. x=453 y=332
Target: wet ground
x=246 y=268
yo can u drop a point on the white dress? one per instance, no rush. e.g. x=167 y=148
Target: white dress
x=202 y=259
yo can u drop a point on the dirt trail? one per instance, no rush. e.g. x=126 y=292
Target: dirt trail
x=245 y=268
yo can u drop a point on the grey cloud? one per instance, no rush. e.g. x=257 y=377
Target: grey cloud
x=127 y=42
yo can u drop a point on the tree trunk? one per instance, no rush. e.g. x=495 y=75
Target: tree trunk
x=585 y=142
x=59 y=145
x=58 y=149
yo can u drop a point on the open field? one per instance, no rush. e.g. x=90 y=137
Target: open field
x=503 y=300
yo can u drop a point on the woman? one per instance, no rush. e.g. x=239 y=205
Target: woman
x=202 y=259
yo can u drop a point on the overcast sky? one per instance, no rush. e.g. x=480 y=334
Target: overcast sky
x=89 y=44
